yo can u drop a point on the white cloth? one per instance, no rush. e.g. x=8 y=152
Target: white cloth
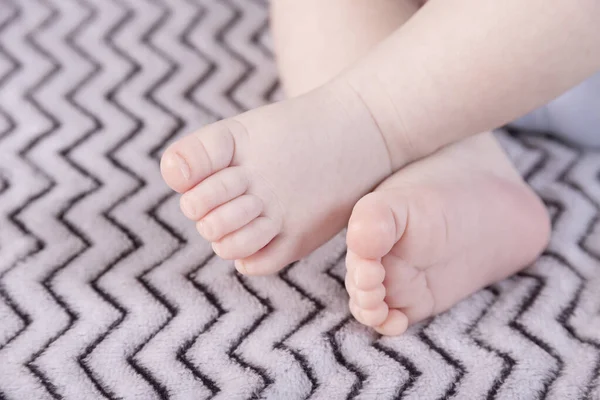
x=574 y=116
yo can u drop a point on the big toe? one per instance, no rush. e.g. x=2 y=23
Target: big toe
x=195 y=157
x=375 y=226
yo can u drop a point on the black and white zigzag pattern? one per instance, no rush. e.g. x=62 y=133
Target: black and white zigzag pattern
x=107 y=292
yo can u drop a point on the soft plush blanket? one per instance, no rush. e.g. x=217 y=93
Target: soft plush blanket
x=106 y=291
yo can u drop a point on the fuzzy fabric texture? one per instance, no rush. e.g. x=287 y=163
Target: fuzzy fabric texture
x=106 y=291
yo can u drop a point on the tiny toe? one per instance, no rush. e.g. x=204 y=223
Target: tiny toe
x=279 y=253
x=349 y=283
x=268 y=260
x=193 y=158
x=355 y=311
x=395 y=324
x=214 y=191
x=375 y=226
x=247 y=240
x=374 y=316
x=368 y=274
x=369 y=299
x=230 y=217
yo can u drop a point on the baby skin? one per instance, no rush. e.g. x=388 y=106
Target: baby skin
x=269 y=186
x=439 y=230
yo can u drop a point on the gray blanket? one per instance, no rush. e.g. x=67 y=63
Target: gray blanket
x=106 y=291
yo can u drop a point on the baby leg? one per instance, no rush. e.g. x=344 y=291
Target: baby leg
x=444 y=75
x=399 y=274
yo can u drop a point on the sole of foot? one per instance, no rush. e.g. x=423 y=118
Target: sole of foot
x=439 y=230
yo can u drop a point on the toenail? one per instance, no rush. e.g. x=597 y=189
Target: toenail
x=204 y=228
x=184 y=168
x=241 y=267
x=187 y=204
x=215 y=248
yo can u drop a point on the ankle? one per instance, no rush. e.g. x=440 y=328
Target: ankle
x=376 y=102
x=344 y=104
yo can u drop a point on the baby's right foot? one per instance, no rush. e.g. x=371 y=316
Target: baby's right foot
x=437 y=231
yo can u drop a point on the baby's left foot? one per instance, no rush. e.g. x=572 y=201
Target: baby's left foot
x=437 y=231
x=270 y=185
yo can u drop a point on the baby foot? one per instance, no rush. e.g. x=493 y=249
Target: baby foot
x=437 y=231
x=269 y=186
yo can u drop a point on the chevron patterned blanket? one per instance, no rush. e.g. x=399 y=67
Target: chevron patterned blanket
x=107 y=292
